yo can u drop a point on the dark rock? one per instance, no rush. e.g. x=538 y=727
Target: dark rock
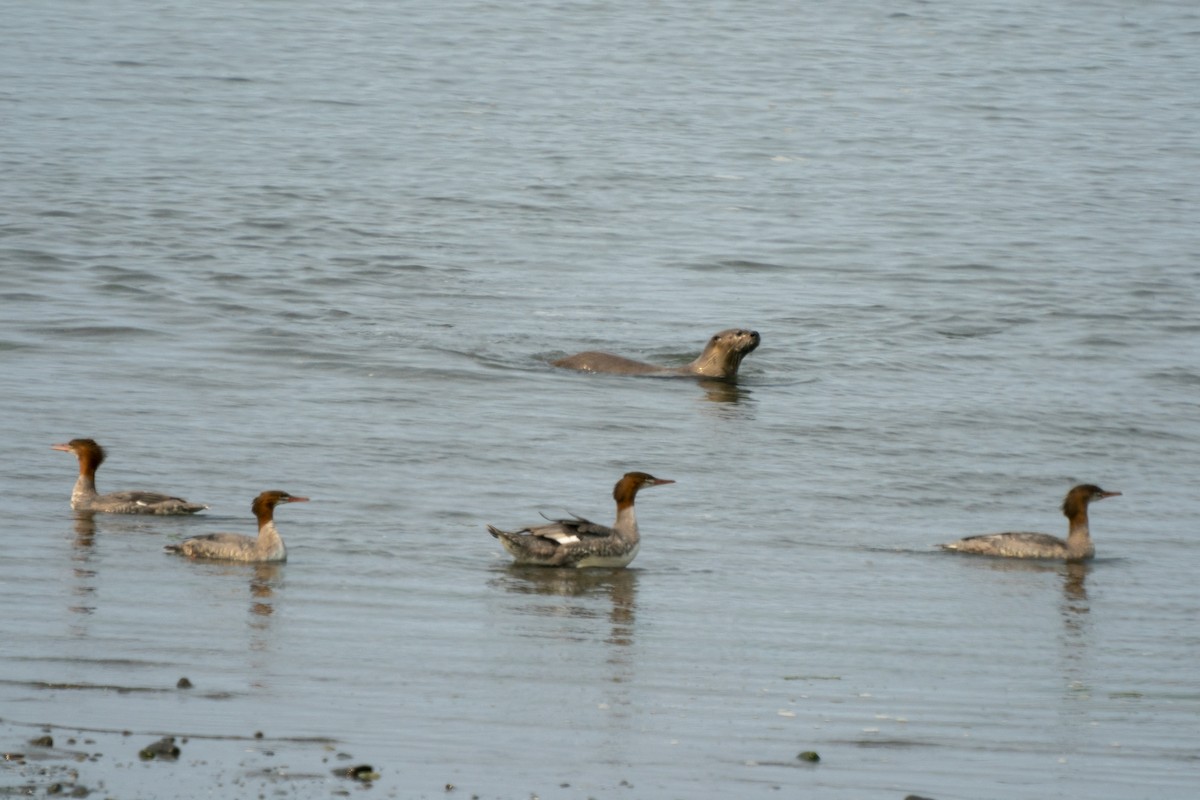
x=362 y=772
x=164 y=749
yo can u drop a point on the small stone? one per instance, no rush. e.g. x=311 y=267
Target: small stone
x=362 y=772
x=164 y=749
x=42 y=741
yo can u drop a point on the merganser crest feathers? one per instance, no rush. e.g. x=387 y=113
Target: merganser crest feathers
x=1077 y=546
x=84 y=496
x=268 y=546
x=578 y=542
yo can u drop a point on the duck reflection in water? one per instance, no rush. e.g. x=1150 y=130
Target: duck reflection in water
x=1074 y=587
x=1074 y=574
x=85 y=533
x=85 y=526
x=262 y=588
x=1073 y=604
x=84 y=590
x=263 y=579
x=572 y=593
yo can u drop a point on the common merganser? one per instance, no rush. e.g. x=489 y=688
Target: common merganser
x=236 y=547
x=579 y=543
x=1077 y=547
x=85 y=498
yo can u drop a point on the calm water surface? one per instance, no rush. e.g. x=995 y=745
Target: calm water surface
x=330 y=248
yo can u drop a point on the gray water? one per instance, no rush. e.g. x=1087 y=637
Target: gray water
x=331 y=248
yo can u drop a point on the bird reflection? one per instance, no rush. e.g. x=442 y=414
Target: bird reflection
x=1076 y=710
x=84 y=588
x=1074 y=642
x=85 y=534
x=262 y=589
x=1074 y=608
x=1074 y=576
x=1074 y=588
x=591 y=614
x=263 y=580
x=572 y=591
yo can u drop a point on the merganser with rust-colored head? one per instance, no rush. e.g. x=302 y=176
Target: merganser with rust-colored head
x=268 y=546
x=579 y=543
x=84 y=496
x=1077 y=547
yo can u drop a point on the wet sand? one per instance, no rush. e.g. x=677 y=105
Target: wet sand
x=120 y=763
x=53 y=761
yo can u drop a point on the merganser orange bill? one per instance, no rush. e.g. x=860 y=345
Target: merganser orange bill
x=1077 y=547
x=579 y=543
x=84 y=496
x=268 y=546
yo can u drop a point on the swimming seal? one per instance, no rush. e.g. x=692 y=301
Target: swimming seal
x=721 y=358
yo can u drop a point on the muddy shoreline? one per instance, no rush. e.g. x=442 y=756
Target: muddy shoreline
x=53 y=760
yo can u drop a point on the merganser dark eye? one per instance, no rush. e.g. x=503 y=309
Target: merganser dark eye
x=1077 y=547
x=266 y=547
x=84 y=496
x=577 y=542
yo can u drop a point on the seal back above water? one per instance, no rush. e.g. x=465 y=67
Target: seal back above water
x=721 y=359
